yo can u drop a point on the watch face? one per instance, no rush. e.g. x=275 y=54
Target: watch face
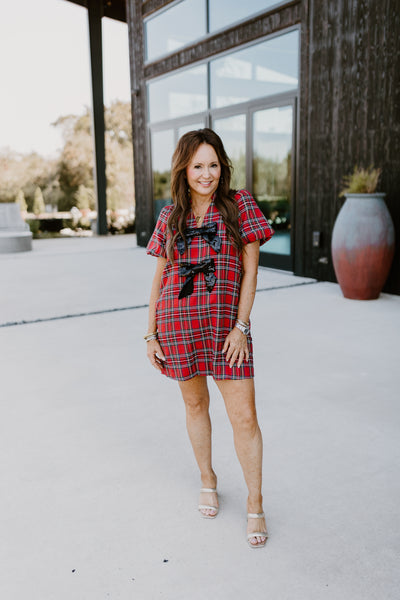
x=245 y=330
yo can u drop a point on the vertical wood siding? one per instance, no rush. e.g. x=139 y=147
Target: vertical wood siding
x=349 y=114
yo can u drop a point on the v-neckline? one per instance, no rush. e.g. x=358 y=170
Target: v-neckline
x=205 y=214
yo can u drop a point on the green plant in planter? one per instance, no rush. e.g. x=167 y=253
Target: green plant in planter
x=361 y=181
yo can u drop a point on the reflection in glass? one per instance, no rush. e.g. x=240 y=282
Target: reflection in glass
x=175 y=27
x=226 y=12
x=272 y=148
x=190 y=127
x=261 y=70
x=184 y=93
x=162 y=147
x=232 y=131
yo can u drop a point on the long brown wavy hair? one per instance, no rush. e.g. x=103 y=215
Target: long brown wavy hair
x=224 y=197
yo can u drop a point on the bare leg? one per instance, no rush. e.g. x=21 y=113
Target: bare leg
x=197 y=401
x=239 y=400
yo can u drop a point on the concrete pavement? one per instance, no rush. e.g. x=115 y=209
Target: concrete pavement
x=99 y=485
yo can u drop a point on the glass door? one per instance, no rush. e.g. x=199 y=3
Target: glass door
x=232 y=131
x=272 y=164
x=259 y=140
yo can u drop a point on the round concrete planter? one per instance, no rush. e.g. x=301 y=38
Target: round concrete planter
x=363 y=246
x=15 y=235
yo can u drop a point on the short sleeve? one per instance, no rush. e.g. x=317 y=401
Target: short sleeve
x=253 y=225
x=158 y=241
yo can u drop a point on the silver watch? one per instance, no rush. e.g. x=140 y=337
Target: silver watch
x=243 y=328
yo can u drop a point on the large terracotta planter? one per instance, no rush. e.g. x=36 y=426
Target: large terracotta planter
x=363 y=246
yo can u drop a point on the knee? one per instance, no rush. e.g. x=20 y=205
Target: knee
x=196 y=404
x=245 y=421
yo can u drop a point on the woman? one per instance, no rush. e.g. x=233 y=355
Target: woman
x=207 y=248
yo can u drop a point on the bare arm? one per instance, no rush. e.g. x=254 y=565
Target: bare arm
x=154 y=352
x=236 y=342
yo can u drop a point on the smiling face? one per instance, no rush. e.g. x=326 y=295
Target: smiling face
x=203 y=173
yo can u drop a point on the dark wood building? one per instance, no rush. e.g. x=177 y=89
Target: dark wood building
x=300 y=92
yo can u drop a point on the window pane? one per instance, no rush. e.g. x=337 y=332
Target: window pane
x=162 y=148
x=191 y=127
x=226 y=12
x=261 y=70
x=178 y=95
x=232 y=131
x=175 y=27
x=272 y=160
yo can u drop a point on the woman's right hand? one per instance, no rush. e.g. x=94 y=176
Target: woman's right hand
x=155 y=354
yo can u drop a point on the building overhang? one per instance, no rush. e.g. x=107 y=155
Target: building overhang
x=113 y=9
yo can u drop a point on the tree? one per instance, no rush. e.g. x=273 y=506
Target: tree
x=75 y=167
x=53 y=194
x=84 y=198
x=23 y=172
x=75 y=164
x=38 y=202
x=20 y=200
x=118 y=122
x=60 y=179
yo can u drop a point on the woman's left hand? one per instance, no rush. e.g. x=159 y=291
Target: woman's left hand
x=236 y=347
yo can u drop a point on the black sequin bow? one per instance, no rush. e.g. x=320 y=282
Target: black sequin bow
x=207 y=232
x=190 y=271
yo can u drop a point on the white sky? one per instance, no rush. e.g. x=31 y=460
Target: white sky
x=45 y=69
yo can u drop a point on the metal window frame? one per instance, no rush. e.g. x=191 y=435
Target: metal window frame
x=148 y=17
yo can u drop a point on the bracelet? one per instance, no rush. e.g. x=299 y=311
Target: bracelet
x=150 y=336
x=242 y=323
x=245 y=329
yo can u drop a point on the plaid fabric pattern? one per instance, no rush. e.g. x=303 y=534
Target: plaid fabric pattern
x=192 y=330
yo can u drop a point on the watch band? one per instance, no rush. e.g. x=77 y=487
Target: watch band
x=245 y=329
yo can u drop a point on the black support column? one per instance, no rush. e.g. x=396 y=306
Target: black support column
x=95 y=13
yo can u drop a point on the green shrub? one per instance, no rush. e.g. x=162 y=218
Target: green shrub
x=276 y=209
x=361 y=181
x=34 y=226
x=20 y=200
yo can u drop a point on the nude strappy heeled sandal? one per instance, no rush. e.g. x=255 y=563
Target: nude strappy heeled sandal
x=207 y=506
x=257 y=533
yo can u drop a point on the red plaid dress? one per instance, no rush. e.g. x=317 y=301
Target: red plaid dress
x=192 y=330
